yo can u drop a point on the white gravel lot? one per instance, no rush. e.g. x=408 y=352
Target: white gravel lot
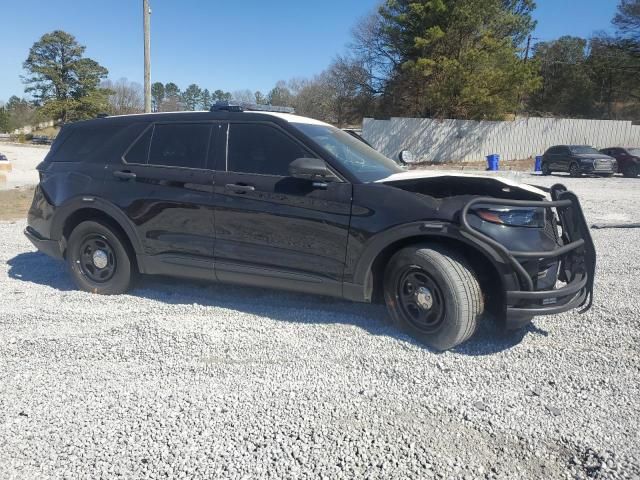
x=24 y=159
x=187 y=380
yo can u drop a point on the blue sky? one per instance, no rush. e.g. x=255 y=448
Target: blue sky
x=231 y=45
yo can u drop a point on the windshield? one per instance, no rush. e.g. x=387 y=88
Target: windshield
x=583 y=150
x=365 y=163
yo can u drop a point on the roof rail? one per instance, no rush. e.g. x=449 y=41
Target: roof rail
x=251 y=107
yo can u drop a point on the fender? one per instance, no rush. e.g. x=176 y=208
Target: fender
x=79 y=202
x=360 y=289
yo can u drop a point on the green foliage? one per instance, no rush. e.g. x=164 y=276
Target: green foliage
x=567 y=88
x=456 y=58
x=63 y=83
x=221 y=96
x=627 y=19
x=192 y=97
x=280 y=95
x=594 y=78
x=5 y=120
x=205 y=99
x=157 y=94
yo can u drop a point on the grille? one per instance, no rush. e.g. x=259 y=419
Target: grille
x=602 y=164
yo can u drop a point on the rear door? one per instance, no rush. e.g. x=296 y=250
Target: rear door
x=563 y=158
x=164 y=184
x=272 y=229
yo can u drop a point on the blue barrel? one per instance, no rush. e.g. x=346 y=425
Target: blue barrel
x=538 y=165
x=493 y=162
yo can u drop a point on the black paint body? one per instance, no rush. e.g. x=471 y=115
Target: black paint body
x=274 y=231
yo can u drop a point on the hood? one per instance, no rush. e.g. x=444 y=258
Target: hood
x=444 y=184
x=593 y=156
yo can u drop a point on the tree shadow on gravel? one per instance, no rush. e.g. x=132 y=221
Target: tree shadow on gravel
x=36 y=267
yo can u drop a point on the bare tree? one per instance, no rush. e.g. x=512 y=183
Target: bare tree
x=243 y=96
x=125 y=97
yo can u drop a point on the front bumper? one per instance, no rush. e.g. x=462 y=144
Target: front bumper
x=576 y=256
x=598 y=168
x=45 y=245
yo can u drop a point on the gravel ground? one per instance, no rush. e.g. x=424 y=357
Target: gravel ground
x=24 y=159
x=188 y=380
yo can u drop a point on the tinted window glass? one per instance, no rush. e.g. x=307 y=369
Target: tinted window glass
x=180 y=145
x=84 y=143
x=139 y=152
x=261 y=149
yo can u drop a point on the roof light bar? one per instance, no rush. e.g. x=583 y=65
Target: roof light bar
x=250 y=107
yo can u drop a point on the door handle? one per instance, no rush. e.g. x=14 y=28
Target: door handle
x=124 y=175
x=234 y=187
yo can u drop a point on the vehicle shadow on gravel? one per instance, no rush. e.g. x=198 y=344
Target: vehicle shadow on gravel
x=35 y=267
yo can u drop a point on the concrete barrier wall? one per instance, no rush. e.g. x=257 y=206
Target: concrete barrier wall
x=468 y=140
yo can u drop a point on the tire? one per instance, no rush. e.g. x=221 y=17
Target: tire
x=574 y=170
x=631 y=171
x=545 y=169
x=86 y=263
x=456 y=298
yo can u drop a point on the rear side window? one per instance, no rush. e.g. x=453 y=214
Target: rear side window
x=179 y=145
x=82 y=144
x=261 y=149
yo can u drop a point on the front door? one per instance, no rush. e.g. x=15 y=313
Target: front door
x=165 y=187
x=272 y=229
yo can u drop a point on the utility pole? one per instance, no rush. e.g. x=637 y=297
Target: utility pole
x=147 y=55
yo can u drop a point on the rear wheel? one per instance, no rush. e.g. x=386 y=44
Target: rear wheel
x=432 y=293
x=98 y=259
x=574 y=170
x=631 y=171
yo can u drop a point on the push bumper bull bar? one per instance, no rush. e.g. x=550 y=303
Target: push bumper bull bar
x=576 y=255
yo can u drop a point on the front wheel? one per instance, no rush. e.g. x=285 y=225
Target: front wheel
x=98 y=259
x=432 y=293
x=574 y=170
x=545 y=169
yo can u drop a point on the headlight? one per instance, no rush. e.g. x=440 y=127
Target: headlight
x=512 y=216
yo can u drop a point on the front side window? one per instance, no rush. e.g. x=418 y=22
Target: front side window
x=180 y=145
x=261 y=149
x=365 y=163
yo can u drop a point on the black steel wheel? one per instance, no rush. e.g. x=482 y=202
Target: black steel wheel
x=98 y=258
x=420 y=299
x=432 y=293
x=545 y=169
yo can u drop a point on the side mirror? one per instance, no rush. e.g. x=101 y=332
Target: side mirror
x=406 y=157
x=310 y=169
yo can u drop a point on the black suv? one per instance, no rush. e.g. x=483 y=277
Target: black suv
x=277 y=200
x=577 y=159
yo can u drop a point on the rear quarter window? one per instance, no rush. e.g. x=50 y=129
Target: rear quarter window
x=83 y=144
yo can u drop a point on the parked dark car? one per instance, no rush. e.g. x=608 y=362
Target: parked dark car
x=41 y=140
x=628 y=159
x=282 y=201
x=3 y=158
x=577 y=159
